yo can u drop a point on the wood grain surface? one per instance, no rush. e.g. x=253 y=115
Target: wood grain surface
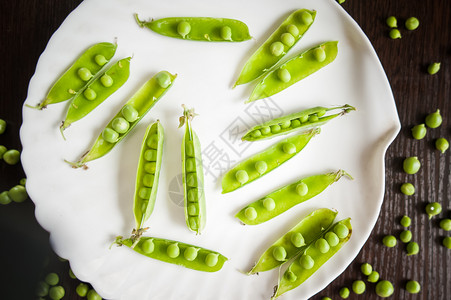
x=25 y=253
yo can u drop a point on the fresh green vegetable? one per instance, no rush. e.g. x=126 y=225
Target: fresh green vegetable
x=82 y=289
x=2 y=126
x=92 y=295
x=389 y=241
x=358 y=287
x=392 y=22
x=433 y=68
x=433 y=209
x=405 y=221
x=434 y=120
x=419 y=131
x=384 y=288
x=2 y=151
x=18 y=193
x=11 y=157
x=52 y=279
x=413 y=287
x=373 y=277
x=42 y=289
x=366 y=269
x=445 y=224
x=442 y=144
x=447 y=242
x=395 y=34
x=412 y=248
x=56 y=292
x=408 y=189
x=344 y=292
x=411 y=165
x=412 y=23
x=405 y=236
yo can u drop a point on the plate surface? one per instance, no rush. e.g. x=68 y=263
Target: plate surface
x=84 y=210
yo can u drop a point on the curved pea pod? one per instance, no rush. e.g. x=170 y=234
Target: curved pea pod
x=199 y=28
x=288 y=196
x=300 y=121
x=132 y=112
x=265 y=161
x=296 y=240
x=296 y=274
x=78 y=76
x=97 y=92
x=193 y=176
x=294 y=70
x=186 y=255
x=274 y=49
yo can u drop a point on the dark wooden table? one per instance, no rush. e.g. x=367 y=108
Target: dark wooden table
x=25 y=253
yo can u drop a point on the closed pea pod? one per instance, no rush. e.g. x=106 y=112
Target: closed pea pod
x=287 y=197
x=132 y=112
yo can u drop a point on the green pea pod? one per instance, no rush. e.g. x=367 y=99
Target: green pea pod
x=71 y=83
x=287 y=197
x=294 y=70
x=274 y=48
x=296 y=274
x=193 y=175
x=97 y=92
x=300 y=121
x=140 y=103
x=199 y=28
x=186 y=255
x=265 y=161
x=296 y=240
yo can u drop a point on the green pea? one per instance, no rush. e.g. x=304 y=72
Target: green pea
x=152 y=141
x=276 y=48
x=150 y=167
x=290 y=276
x=211 y=259
x=341 y=230
x=189 y=150
x=447 y=242
x=434 y=119
x=183 y=28
x=341 y=1
x=392 y=22
x=433 y=68
x=412 y=23
x=3 y=150
x=129 y=113
x=265 y=130
x=163 y=79
x=56 y=292
x=405 y=221
x=297 y=239
x=445 y=224
x=173 y=250
x=358 y=287
x=302 y=189
x=190 y=253
x=285 y=124
x=413 y=287
x=373 y=277
x=389 y=241
x=92 y=295
x=242 y=176
x=366 y=269
x=90 y=94
x=313 y=118
x=384 y=288
x=394 y=34
x=411 y=165
x=144 y=193
x=442 y=144
x=326 y=298
x=332 y=239
x=304 y=118
x=419 y=131
x=150 y=155
x=293 y=30
x=319 y=54
x=288 y=39
x=11 y=157
x=42 y=289
x=4 y=198
x=412 y=248
x=321 y=113
x=250 y=213
x=110 y=135
x=2 y=126
x=408 y=189
x=190 y=164
x=23 y=181
x=193 y=223
x=433 y=209
x=289 y=148
x=306 y=261
x=275 y=128
x=193 y=195
x=256 y=133
x=82 y=289
x=295 y=123
x=52 y=279
x=269 y=204
x=18 y=193
x=193 y=210
x=306 y=18
x=84 y=74
x=100 y=59
x=106 y=80
x=226 y=33
x=120 y=125
x=279 y=253
x=261 y=167
x=284 y=75
x=344 y=292
x=405 y=236
x=148 y=246
x=322 y=245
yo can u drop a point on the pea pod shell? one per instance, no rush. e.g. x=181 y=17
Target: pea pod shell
x=311 y=227
x=143 y=100
x=299 y=68
x=80 y=106
x=273 y=156
x=287 y=197
x=263 y=60
x=160 y=248
x=202 y=28
x=319 y=259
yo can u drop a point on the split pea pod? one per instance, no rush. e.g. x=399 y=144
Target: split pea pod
x=314 y=256
x=300 y=121
x=186 y=255
x=294 y=241
x=78 y=76
x=97 y=92
x=265 y=161
x=199 y=28
x=128 y=116
x=193 y=175
x=277 y=45
x=287 y=197
x=294 y=70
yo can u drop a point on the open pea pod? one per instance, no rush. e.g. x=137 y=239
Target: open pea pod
x=97 y=92
x=313 y=257
x=128 y=116
x=277 y=45
x=300 y=121
x=199 y=28
x=286 y=197
x=265 y=161
x=294 y=70
x=294 y=241
x=80 y=74
x=186 y=255
x=193 y=175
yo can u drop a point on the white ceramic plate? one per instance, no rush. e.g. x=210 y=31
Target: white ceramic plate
x=84 y=210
